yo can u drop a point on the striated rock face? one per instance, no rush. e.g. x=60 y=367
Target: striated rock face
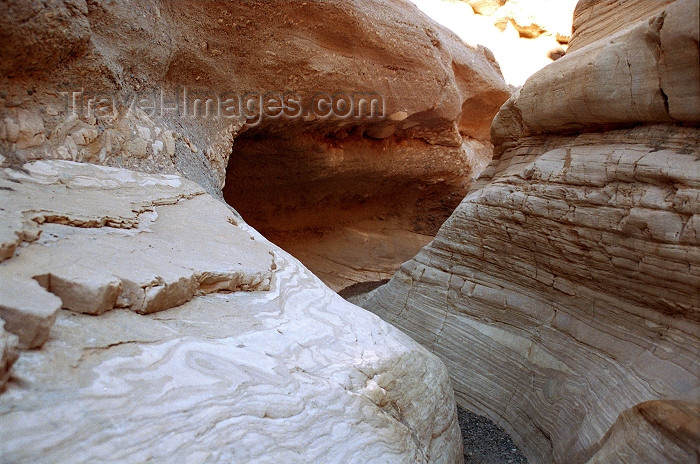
x=674 y=425
x=143 y=75
x=563 y=292
x=181 y=321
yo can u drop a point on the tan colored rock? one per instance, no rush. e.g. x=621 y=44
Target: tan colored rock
x=674 y=426
x=285 y=371
x=23 y=127
x=40 y=35
x=486 y=7
x=595 y=20
x=615 y=81
x=533 y=18
x=10 y=130
x=679 y=65
x=96 y=264
x=84 y=136
x=27 y=309
x=134 y=62
x=524 y=35
x=563 y=292
x=137 y=147
x=82 y=288
x=31 y=129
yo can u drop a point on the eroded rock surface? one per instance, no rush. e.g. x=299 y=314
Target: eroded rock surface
x=563 y=292
x=249 y=357
x=127 y=66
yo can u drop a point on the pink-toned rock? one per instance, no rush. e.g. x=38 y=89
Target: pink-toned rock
x=435 y=99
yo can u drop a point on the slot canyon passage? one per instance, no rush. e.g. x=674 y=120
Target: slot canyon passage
x=516 y=232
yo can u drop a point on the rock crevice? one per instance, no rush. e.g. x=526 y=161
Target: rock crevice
x=571 y=268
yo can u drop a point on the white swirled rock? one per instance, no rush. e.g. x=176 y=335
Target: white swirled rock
x=282 y=371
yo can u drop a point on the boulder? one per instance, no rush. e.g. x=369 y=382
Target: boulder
x=590 y=89
x=562 y=292
x=243 y=356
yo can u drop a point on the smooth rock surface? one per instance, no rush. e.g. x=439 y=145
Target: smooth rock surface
x=28 y=311
x=641 y=73
x=284 y=371
x=674 y=423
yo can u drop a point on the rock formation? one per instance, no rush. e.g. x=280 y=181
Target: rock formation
x=140 y=316
x=563 y=292
x=524 y=35
x=185 y=334
x=299 y=177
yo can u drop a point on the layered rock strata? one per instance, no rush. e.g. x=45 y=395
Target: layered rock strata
x=180 y=320
x=563 y=292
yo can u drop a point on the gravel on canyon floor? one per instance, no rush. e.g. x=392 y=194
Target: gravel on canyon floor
x=485 y=442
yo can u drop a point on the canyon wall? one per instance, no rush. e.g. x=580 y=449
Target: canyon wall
x=140 y=317
x=563 y=292
x=384 y=175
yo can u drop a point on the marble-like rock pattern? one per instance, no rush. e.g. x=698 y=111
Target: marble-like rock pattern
x=248 y=357
x=563 y=292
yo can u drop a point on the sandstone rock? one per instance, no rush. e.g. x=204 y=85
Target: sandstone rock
x=486 y=7
x=31 y=129
x=286 y=371
x=137 y=148
x=40 y=35
x=595 y=20
x=562 y=293
x=533 y=18
x=588 y=87
x=314 y=221
x=675 y=426
x=679 y=65
x=578 y=285
x=135 y=62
